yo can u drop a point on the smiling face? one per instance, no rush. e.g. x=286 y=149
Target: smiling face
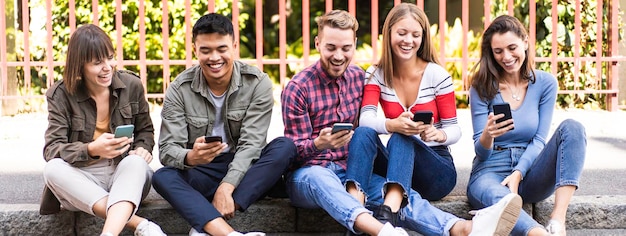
x=336 y=47
x=406 y=39
x=215 y=53
x=98 y=73
x=509 y=51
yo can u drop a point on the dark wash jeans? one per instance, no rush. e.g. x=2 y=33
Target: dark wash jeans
x=191 y=191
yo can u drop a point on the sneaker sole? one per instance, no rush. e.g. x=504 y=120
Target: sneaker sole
x=509 y=216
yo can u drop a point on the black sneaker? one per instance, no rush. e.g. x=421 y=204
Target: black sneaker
x=384 y=215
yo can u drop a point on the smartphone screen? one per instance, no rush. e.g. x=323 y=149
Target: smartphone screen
x=341 y=126
x=503 y=108
x=124 y=131
x=423 y=116
x=210 y=139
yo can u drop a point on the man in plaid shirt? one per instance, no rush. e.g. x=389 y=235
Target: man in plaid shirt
x=325 y=93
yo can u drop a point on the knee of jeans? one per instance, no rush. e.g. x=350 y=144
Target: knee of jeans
x=162 y=175
x=134 y=160
x=573 y=127
x=364 y=132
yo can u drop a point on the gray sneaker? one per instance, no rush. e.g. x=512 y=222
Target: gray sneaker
x=504 y=214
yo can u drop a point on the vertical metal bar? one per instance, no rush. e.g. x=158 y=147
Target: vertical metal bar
x=599 y=51
x=211 y=6
x=396 y=2
x=94 y=11
x=442 y=32
x=259 y=32
x=3 y=52
x=282 y=41
x=577 y=39
x=420 y=4
x=352 y=7
x=510 y=6
x=119 y=51
x=72 y=10
x=465 y=59
x=188 y=29
x=329 y=5
x=555 y=44
x=49 y=54
x=142 y=41
x=235 y=15
x=532 y=30
x=374 y=29
x=613 y=78
x=26 y=31
x=165 y=33
x=306 y=32
x=487 y=12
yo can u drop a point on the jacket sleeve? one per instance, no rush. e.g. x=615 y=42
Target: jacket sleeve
x=253 y=131
x=57 y=143
x=144 y=130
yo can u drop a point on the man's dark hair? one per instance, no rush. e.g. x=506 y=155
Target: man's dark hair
x=213 y=23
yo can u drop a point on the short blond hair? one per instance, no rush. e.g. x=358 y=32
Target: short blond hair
x=339 y=19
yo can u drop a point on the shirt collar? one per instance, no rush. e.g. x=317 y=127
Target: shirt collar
x=323 y=75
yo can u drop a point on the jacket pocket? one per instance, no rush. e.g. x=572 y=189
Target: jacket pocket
x=127 y=112
x=77 y=127
x=235 y=118
x=197 y=127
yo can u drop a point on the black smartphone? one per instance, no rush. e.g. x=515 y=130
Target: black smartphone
x=341 y=126
x=503 y=108
x=423 y=116
x=210 y=139
x=124 y=131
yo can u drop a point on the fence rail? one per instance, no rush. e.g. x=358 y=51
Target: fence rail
x=608 y=57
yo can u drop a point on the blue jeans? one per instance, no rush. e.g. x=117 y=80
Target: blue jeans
x=323 y=187
x=406 y=161
x=191 y=191
x=560 y=163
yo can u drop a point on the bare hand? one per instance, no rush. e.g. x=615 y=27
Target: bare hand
x=328 y=140
x=108 y=147
x=513 y=181
x=203 y=153
x=493 y=129
x=223 y=200
x=143 y=153
x=433 y=134
x=404 y=124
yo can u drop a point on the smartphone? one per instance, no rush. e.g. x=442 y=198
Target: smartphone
x=210 y=139
x=341 y=126
x=503 y=108
x=423 y=116
x=124 y=131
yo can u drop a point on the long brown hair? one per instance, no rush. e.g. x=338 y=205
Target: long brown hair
x=487 y=73
x=87 y=43
x=426 y=50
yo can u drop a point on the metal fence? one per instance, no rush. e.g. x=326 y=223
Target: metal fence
x=608 y=56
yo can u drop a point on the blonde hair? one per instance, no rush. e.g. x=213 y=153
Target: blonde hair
x=426 y=50
x=337 y=19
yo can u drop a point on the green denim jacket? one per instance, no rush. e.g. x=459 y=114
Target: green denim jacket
x=72 y=122
x=188 y=113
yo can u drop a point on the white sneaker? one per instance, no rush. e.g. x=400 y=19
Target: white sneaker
x=235 y=233
x=554 y=227
x=389 y=230
x=504 y=214
x=193 y=232
x=148 y=228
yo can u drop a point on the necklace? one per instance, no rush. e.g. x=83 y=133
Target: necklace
x=514 y=95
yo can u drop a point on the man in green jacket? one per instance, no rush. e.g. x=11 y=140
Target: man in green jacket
x=228 y=101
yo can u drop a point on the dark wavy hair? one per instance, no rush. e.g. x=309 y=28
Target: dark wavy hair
x=487 y=73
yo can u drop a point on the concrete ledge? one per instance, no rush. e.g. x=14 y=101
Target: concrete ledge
x=278 y=216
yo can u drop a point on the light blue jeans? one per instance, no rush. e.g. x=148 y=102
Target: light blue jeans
x=560 y=163
x=323 y=187
x=405 y=160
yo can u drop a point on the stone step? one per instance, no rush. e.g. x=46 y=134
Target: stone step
x=589 y=215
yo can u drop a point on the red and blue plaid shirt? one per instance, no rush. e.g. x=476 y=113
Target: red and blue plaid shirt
x=312 y=101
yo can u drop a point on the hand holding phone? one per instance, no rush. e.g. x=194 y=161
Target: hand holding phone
x=424 y=116
x=210 y=139
x=341 y=126
x=503 y=108
x=124 y=131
